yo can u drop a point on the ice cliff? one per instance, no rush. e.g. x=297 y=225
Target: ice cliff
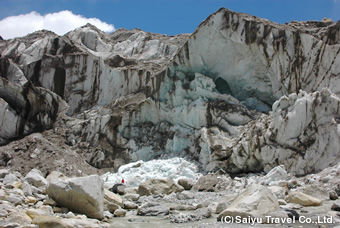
x=240 y=94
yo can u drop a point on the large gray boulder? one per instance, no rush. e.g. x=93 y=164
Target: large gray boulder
x=82 y=195
x=255 y=201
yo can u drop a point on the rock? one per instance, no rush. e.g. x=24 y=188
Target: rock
x=55 y=175
x=31 y=199
x=315 y=191
x=118 y=189
x=183 y=207
x=113 y=198
x=115 y=187
x=46 y=208
x=206 y=183
x=203 y=212
x=3 y=172
x=17 y=184
x=158 y=186
x=255 y=201
x=50 y=202
x=62 y=210
x=112 y=207
x=70 y=215
x=108 y=215
x=152 y=209
x=131 y=196
x=3 y=213
x=35 y=178
x=282 y=202
x=35 y=153
x=19 y=218
x=337 y=189
x=82 y=195
x=32 y=213
x=336 y=206
x=119 y=213
x=221 y=207
x=278 y=191
x=185 y=195
x=302 y=199
x=15 y=200
x=40 y=196
x=186 y=183
x=9 y=179
x=333 y=195
x=121 y=190
x=130 y=205
x=27 y=189
x=50 y=221
x=292 y=213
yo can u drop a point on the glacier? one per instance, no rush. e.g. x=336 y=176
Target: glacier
x=241 y=94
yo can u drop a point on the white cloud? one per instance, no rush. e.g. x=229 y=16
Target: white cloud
x=60 y=23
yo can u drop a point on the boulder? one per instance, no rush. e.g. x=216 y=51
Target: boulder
x=159 y=186
x=186 y=183
x=112 y=207
x=9 y=179
x=119 y=212
x=183 y=207
x=35 y=178
x=18 y=217
x=333 y=195
x=118 y=188
x=336 y=206
x=82 y=195
x=152 y=209
x=130 y=205
x=3 y=172
x=255 y=201
x=206 y=183
x=32 y=213
x=26 y=188
x=50 y=202
x=112 y=197
x=131 y=196
x=315 y=191
x=55 y=175
x=302 y=199
x=221 y=207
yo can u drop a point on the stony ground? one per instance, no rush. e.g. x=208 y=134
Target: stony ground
x=26 y=201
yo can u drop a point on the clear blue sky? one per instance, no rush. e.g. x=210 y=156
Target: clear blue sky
x=175 y=16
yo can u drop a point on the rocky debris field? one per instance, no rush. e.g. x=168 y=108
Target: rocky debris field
x=277 y=199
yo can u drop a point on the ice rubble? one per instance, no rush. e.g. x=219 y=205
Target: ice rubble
x=140 y=171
